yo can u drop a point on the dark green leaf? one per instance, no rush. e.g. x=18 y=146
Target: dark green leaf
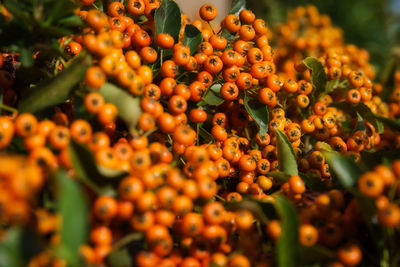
x=258 y=112
x=318 y=75
x=120 y=255
x=128 y=106
x=371 y=159
x=167 y=19
x=192 y=38
x=286 y=157
x=387 y=78
x=74 y=209
x=206 y=135
x=314 y=183
x=119 y=258
x=345 y=169
x=212 y=97
x=18 y=12
x=363 y=110
x=227 y=35
x=61 y=9
x=288 y=243
x=335 y=84
x=55 y=90
x=18 y=247
x=250 y=205
x=71 y=21
x=315 y=255
x=237 y=6
x=279 y=176
x=88 y=171
x=26 y=57
x=392 y=123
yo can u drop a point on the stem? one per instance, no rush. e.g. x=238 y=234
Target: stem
x=220 y=198
x=211 y=27
x=161 y=57
x=246 y=132
x=8 y=108
x=126 y=240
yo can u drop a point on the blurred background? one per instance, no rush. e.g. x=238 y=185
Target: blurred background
x=370 y=24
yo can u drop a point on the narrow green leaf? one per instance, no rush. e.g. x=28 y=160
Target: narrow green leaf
x=363 y=110
x=128 y=106
x=392 y=123
x=119 y=258
x=259 y=113
x=167 y=19
x=387 y=78
x=345 y=169
x=19 y=246
x=288 y=243
x=74 y=209
x=237 y=6
x=279 y=176
x=88 y=171
x=373 y=158
x=318 y=75
x=250 y=205
x=314 y=183
x=286 y=157
x=206 y=135
x=192 y=38
x=212 y=97
x=18 y=12
x=55 y=90
x=26 y=58
x=61 y=9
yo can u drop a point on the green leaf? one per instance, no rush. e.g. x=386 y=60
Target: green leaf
x=392 y=123
x=88 y=171
x=286 y=157
x=279 y=176
x=345 y=169
x=316 y=255
x=19 y=246
x=168 y=19
x=314 y=183
x=237 y=6
x=18 y=12
x=55 y=90
x=26 y=57
x=192 y=38
x=120 y=255
x=128 y=106
x=371 y=159
x=206 y=135
x=74 y=209
x=212 y=97
x=387 y=78
x=259 y=113
x=363 y=110
x=336 y=84
x=251 y=205
x=119 y=258
x=61 y=9
x=318 y=75
x=288 y=243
